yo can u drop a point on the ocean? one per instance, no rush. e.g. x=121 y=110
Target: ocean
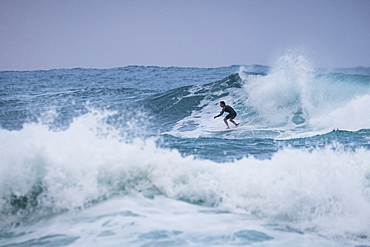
x=132 y=156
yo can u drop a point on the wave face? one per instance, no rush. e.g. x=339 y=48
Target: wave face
x=292 y=98
x=92 y=152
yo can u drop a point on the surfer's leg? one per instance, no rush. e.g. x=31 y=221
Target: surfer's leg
x=227 y=124
x=232 y=120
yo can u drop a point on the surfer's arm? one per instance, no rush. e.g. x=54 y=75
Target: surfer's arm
x=222 y=112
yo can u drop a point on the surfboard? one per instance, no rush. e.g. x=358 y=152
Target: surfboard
x=219 y=131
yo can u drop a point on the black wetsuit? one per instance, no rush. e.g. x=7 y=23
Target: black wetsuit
x=230 y=110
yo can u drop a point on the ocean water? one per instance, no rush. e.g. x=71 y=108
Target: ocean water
x=131 y=156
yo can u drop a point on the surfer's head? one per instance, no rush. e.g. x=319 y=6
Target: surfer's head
x=222 y=103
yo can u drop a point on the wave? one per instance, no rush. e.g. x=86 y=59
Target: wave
x=288 y=99
x=46 y=171
x=291 y=98
x=174 y=105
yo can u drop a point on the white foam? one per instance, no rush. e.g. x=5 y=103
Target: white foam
x=325 y=189
x=324 y=103
x=134 y=220
x=276 y=96
x=354 y=115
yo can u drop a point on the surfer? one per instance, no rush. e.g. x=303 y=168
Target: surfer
x=230 y=116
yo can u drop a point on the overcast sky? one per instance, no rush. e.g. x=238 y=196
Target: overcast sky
x=46 y=34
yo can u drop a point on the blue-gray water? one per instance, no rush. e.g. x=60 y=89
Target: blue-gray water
x=131 y=156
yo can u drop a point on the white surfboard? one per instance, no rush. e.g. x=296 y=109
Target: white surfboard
x=219 y=131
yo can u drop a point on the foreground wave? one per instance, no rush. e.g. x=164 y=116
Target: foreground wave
x=307 y=190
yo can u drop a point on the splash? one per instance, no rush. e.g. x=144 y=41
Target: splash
x=283 y=93
x=293 y=95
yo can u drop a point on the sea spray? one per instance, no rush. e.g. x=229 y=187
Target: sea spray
x=282 y=93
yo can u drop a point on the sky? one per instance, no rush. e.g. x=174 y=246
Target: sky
x=48 y=34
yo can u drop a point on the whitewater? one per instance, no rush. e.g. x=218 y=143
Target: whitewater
x=129 y=157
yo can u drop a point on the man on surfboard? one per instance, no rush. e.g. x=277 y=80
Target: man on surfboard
x=230 y=116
